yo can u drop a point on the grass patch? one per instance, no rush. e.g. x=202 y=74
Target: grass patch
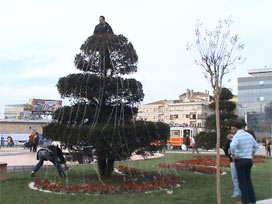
x=197 y=189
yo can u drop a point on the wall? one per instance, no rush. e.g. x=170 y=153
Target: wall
x=21 y=127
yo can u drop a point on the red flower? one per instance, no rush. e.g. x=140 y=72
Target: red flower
x=157 y=182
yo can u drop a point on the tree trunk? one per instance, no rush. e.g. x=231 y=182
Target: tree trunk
x=101 y=166
x=109 y=167
x=105 y=166
x=217 y=114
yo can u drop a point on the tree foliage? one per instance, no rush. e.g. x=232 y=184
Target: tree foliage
x=227 y=116
x=104 y=104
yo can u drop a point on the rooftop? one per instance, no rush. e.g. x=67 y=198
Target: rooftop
x=258 y=72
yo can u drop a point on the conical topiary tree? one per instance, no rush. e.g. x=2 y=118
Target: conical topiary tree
x=104 y=104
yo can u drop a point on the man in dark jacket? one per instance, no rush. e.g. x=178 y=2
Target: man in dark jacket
x=103 y=26
x=54 y=154
x=237 y=192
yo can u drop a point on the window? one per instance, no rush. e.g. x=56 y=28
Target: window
x=199 y=116
x=187 y=116
x=193 y=116
x=176 y=133
x=160 y=109
x=173 y=117
x=187 y=108
x=161 y=117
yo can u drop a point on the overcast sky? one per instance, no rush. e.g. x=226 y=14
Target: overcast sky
x=39 y=39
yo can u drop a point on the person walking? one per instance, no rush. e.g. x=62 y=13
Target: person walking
x=243 y=147
x=268 y=147
x=2 y=141
x=35 y=142
x=237 y=192
x=30 y=140
x=194 y=146
x=53 y=154
x=186 y=140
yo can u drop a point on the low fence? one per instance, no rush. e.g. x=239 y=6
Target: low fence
x=28 y=168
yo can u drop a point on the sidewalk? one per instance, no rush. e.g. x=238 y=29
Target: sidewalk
x=20 y=159
x=268 y=201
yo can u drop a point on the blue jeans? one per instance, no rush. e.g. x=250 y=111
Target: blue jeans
x=43 y=155
x=235 y=182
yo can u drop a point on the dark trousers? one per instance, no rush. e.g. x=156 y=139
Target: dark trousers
x=35 y=147
x=243 y=167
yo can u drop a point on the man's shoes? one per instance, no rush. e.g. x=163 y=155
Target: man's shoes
x=32 y=174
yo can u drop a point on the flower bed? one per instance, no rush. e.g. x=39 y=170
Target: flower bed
x=156 y=183
x=224 y=161
x=190 y=167
x=204 y=164
x=128 y=170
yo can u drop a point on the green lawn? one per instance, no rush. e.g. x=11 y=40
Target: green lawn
x=197 y=189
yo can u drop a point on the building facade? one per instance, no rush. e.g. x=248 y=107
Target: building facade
x=20 y=130
x=255 y=98
x=35 y=109
x=191 y=110
x=22 y=126
x=18 y=111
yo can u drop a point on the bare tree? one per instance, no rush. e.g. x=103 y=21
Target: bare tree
x=217 y=52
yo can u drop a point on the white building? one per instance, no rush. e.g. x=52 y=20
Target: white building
x=191 y=110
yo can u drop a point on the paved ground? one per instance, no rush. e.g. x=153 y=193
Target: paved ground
x=268 y=201
x=19 y=157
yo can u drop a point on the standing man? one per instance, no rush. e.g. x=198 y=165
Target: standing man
x=35 y=141
x=30 y=140
x=194 y=146
x=237 y=192
x=243 y=147
x=103 y=26
x=267 y=147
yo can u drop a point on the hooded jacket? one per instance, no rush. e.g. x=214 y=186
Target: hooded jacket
x=100 y=28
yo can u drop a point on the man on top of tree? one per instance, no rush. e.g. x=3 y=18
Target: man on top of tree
x=103 y=26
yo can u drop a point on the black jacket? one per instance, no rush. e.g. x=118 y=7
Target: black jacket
x=227 y=150
x=55 y=154
x=100 y=28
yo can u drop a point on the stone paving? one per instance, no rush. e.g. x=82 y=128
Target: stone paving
x=268 y=201
x=20 y=159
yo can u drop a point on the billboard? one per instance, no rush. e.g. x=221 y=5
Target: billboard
x=43 y=105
